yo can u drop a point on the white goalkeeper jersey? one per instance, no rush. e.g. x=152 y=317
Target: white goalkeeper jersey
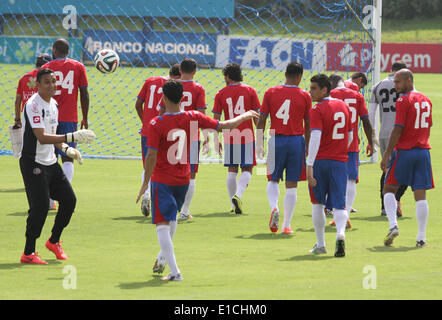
x=38 y=113
x=384 y=96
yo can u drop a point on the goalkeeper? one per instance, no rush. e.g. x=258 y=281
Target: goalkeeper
x=42 y=175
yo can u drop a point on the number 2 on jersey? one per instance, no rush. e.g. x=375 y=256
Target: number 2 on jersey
x=65 y=82
x=339 y=116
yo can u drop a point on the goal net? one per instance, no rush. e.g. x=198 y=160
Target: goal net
x=150 y=36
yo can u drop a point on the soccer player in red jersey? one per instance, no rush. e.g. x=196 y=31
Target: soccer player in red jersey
x=358 y=110
x=357 y=81
x=194 y=98
x=239 y=144
x=27 y=86
x=167 y=166
x=147 y=106
x=407 y=156
x=289 y=108
x=331 y=135
x=71 y=79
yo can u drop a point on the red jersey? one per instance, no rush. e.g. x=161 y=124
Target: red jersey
x=351 y=85
x=289 y=107
x=27 y=86
x=358 y=109
x=194 y=96
x=332 y=117
x=70 y=75
x=151 y=94
x=170 y=135
x=234 y=100
x=413 y=113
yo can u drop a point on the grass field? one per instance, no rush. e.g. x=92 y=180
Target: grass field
x=222 y=256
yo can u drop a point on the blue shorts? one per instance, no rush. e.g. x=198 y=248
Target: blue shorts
x=66 y=127
x=353 y=166
x=412 y=168
x=166 y=201
x=144 y=148
x=194 y=156
x=331 y=186
x=242 y=155
x=286 y=153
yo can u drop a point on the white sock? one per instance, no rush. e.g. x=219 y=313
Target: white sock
x=289 y=206
x=319 y=221
x=422 y=212
x=390 y=204
x=273 y=194
x=340 y=216
x=68 y=169
x=172 y=230
x=189 y=196
x=166 y=245
x=243 y=182
x=351 y=194
x=231 y=185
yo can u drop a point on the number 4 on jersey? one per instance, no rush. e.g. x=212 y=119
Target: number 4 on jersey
x=284 y=112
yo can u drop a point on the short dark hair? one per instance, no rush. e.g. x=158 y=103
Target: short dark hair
x=322 y=80
x=360 y=75
x=188 y=65
x=294 y=69
x=398 y=65
x=43 y=72
x=335 y=79
x=173 y=90
x=62 y=47
x=175 y=70
x=42 y=59
x=233 y=71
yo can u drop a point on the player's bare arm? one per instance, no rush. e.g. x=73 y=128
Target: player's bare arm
x=18 y=100
x=84 y=100
x=368 y=130
x=260 y=130
x=139 y=107
x=394 y=138
x=150 y=162
x=233 y=123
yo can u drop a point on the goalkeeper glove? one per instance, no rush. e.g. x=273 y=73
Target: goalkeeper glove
x=80 y=136
x=73 y=154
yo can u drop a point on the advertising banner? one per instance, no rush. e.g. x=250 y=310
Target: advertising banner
x=270 y=53
x=151 y=48
x=24 y=50
x=352 y=56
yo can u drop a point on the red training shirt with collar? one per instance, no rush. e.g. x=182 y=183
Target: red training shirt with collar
x=288 y=107
x=27 y=86
x=170 y=135
x=332 y=117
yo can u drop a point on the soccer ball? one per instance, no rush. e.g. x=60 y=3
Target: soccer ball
x=106 y=61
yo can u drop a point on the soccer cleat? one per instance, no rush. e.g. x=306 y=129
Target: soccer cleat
x=274 y=220
x=353 y=210
x=328 y=212
x=287 y=231
x=185 y=216
x=318 y=250
x=57 y=250
x=333 y=223
x=237 y=203
x=399 y=210
x=32 y=258
x=232 y=210
x=421 y=244
x=171 y=277
x=52 y=204
x=340 y=248
x=159 y=267
x=383 y=212
x=393 y=233
x=145 y=206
